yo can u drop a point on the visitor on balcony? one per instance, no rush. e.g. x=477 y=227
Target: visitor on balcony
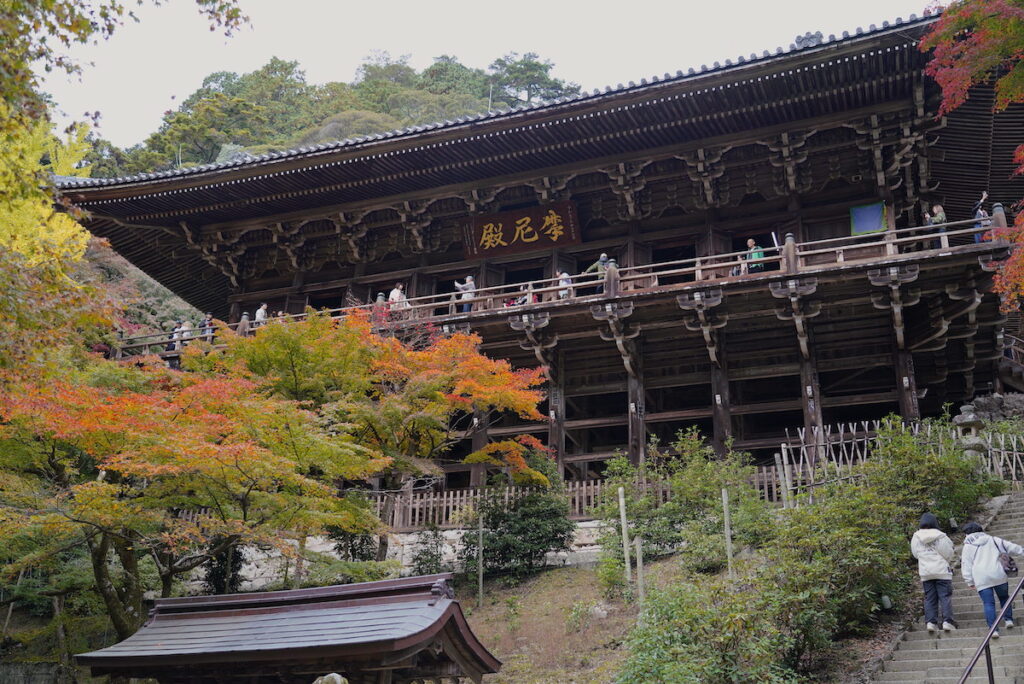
x=599 y=267
x=243 y=328
x=981 y=215
x=206 y=327
x=261 y=316
x=565 y=285
x=937 y=217
x=934 y=553
x=397 y=299
x=468 y=290
x=982 y=565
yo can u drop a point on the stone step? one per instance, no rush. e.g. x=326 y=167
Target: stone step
x=976 y=633
x=937 y=673
x=922 y=660
x=954 y=643
x=970 y=621
x=919 y=677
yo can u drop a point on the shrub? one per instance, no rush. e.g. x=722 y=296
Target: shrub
x=428 y=557
x=919 y=477
x=704 y=631
x=519 y=533
x=829 y=564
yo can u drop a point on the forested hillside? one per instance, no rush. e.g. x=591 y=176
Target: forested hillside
x=275 y=108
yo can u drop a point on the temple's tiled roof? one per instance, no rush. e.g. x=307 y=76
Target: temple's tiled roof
x=803 y=44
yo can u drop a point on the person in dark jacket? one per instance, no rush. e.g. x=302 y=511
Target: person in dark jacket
x=934 y=552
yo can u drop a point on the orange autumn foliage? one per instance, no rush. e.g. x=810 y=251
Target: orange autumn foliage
x=144 y=461
x=407 y=399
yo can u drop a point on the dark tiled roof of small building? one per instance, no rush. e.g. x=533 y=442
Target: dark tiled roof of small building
x=349 y=623
x=806 y=43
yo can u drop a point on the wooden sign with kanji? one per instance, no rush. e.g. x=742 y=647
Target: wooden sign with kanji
x=522 y=230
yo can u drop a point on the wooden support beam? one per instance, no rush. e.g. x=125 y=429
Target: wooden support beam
x=906 y=384
x=556 y=412
x=810 y=392
x=636 y=409
x=721 y=416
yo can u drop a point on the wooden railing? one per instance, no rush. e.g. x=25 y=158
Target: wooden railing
x=809 y=460
x=791 y=258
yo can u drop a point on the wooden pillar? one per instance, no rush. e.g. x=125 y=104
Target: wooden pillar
x=721 y=416
x=294 y=302
x=810 y=393
x=906 y=384
x=556 y=412
x=636 y=408
x=235 y=313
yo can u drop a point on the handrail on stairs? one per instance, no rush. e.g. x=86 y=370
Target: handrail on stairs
x=985 y=647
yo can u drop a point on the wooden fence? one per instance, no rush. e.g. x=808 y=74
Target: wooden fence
x=812 y=459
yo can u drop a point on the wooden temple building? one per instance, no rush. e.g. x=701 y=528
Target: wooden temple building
x=401 y=631
x=827 y=156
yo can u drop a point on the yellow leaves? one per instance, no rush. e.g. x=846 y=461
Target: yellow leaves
x=28 y=223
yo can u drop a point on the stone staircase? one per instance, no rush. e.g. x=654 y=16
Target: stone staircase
x=942 y=657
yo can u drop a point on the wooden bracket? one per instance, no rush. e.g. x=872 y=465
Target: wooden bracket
x=530 y=324
x=799 y=308
x=896 y=299
x=615 y=313
x=704 y=318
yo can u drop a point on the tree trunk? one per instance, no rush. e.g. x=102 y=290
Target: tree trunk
x=387 y=510
x=299 y=563
x=99 y=548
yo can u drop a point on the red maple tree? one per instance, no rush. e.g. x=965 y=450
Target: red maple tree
x=981 y=42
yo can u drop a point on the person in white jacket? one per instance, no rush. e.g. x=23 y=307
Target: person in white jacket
x=934 y=552
x=982 y=570
x=468 y=290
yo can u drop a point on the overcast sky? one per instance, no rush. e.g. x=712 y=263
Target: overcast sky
x=147 y=68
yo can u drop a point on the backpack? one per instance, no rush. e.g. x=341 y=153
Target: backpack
x=1007 y=562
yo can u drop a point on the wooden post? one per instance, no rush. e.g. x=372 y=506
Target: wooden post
x=556 y=412
x=640 y=569
x=788 y=474
x=790 y=259
x=810 y=400
x=906 y=384
x=728 y=532
x=636 y=409
x=625 y=535
x=480 y=558
x=721 y=417
x=780 y=472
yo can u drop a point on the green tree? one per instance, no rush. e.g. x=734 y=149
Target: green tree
x=196 y=136
x=348 y=124
x=380 y=76
x=527 y=78
x=448 y=76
